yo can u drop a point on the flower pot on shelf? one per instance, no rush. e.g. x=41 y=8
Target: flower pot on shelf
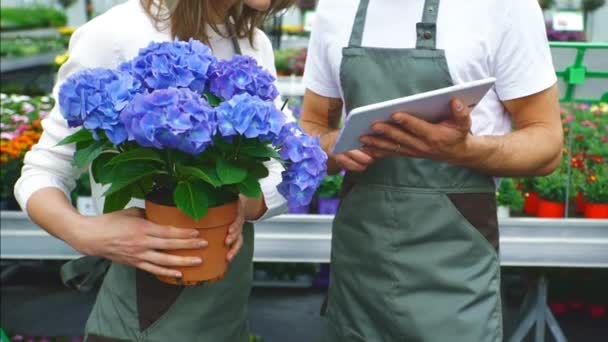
x=503 y=212
x=531 y=203
x=579 y=202
x=549 y=209
x=213 y=228
x=596 y=210
x=298 y=209
x=328 y=206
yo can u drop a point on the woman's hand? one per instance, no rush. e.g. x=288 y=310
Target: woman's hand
x=127 y=238
x=234 y=239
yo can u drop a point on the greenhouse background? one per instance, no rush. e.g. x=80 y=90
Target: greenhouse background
x=554 y=229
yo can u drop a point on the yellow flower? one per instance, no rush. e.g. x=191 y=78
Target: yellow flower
x=66 y=30
x=60 y=59
x=604 y=107
x=594 y=108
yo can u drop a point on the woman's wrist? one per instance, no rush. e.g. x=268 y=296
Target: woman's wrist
x=77 y=232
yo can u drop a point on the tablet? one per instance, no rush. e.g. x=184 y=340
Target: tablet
x=432 y=106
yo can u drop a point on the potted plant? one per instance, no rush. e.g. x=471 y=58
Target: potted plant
x=508 y=198
x=20 y=123
x=189 y=137
x=531 y=197
x=328 y=200
x=552 y=192
x=596 y=192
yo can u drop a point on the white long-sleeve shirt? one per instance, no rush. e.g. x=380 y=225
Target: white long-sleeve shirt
x=107 y=41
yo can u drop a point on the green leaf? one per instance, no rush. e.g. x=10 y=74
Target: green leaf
x=140 y=153
x=99 y=167
x=118 y=200
x=124 y=175
x=258 y=170
x=229 y=172
x=250 y=187
x=260 y=150
x=80 y=136
x=142 y=187
x=191 y=199
x=213 y=100
x=190 y=171
x=84 y=157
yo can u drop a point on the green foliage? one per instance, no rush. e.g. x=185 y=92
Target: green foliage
x=23 y=46
x=330 y=187
x=509 y=196
x=553 y=186
x=20 y=18
x=193 y=184
x=190 y=197
x=596 y=187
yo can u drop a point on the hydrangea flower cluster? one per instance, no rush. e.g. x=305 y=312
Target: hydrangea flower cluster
x=171 y=118
x=239 y=75
x=175 y=64
x=162 y=99
x=249 y=116
x=94 y=98
x=307 y=167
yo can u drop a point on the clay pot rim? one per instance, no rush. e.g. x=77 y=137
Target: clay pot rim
x=211 y=212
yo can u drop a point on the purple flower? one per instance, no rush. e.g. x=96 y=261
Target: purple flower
x=306 y=168
x=94 y=98
x=176 y=64
x=239 y=75
x=170 y=118
x=249 y=116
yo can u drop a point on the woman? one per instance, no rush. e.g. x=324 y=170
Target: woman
x=132 y=304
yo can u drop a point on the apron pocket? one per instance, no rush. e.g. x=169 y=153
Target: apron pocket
x=85 y=273
x=154 y=298
x=479 y=211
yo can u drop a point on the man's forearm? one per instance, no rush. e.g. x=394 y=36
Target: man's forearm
x=532 y=151
x=328 y=138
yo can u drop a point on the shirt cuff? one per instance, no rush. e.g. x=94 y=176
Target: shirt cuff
x=26 y=187
x=276 y=204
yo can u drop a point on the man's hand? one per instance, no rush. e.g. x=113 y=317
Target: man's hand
x=409 y=136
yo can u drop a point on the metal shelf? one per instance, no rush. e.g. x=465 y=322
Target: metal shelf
x=19 y=63
x=290 y=86
x=307 y=238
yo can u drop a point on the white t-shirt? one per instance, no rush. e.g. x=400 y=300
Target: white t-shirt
x=106 y=41
x=481 y=38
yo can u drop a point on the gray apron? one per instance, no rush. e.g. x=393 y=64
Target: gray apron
x=414 y=248
x=132 y=305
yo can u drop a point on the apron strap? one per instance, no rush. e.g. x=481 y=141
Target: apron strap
x=426 y=31
x=356 y=36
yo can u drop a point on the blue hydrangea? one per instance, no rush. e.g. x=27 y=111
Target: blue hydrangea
x=306 y=169
x=94 y=98
x=171 y=118
x=176 y=64
x=239 y=75
x=249 y=116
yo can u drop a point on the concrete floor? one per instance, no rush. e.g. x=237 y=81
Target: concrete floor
x=34 y=302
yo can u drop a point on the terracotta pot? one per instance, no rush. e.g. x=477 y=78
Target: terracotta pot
x=579 y=201
x=531 y=203
x=596 y=210
x=213 y=228
x=549 y=209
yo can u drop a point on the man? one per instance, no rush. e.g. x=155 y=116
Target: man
x=414 y=250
